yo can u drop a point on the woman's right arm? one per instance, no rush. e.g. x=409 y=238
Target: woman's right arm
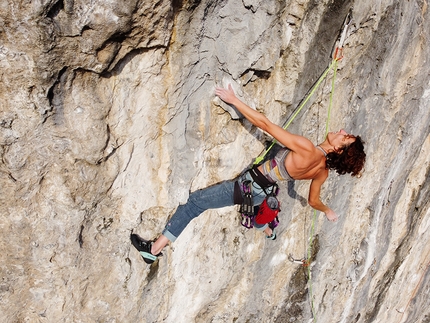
x=255 y=117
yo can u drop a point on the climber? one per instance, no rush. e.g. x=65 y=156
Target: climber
x=300 y=160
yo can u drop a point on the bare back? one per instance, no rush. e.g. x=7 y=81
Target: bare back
x=306 y=164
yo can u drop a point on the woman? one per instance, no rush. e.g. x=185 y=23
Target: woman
x=302 y=160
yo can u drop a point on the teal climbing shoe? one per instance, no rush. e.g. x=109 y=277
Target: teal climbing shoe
x=144 y=248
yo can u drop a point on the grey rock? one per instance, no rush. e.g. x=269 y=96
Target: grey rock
x=108 y=120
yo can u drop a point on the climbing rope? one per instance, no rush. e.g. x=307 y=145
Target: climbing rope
x=260 y=158
x=337 y=56
x=307 y=262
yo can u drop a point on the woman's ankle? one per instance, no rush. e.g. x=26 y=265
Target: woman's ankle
x=159 y=245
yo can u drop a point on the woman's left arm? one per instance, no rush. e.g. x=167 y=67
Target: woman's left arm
x=293 y=142
x=314 y=197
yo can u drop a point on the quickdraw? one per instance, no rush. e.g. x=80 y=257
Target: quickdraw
x=247 y=207
x=338 y=53
x=304 y=262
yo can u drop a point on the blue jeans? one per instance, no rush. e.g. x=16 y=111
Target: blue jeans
x=212 y=197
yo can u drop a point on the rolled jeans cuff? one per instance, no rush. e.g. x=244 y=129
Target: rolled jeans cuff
x=169 y=235
x=260 y=227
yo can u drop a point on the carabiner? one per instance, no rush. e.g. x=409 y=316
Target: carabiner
x=302 y=261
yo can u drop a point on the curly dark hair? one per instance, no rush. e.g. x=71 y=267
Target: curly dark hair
x=350 y=160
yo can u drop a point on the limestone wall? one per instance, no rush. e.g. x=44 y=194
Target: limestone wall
x=108 y=120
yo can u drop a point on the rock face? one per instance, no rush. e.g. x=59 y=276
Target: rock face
x=108 y=120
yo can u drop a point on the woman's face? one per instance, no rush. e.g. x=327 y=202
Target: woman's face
x=340 y=139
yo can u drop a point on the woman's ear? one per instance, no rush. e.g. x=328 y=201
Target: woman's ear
x=338 y=150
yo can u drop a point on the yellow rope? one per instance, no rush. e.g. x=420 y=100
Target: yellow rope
x=259 y=159
x=334 y=64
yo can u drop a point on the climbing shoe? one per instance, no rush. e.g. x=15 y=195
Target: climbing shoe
x=272 y=236
x=144 y=248
x=273 y=225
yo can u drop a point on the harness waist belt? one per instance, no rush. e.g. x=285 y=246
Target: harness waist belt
x=259 y=178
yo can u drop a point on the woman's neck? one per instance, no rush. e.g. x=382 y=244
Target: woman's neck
x=326 y=147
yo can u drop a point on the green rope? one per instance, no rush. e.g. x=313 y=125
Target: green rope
x=260 y=158
x=334 y=63
x=309 y=266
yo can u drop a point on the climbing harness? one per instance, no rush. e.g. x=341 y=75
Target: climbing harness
x=267 y=212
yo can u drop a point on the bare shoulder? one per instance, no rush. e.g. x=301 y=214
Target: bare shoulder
x=307 y=163
x=295 y=143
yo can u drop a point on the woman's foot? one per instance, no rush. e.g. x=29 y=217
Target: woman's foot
x=272 y=236
x=144 y=248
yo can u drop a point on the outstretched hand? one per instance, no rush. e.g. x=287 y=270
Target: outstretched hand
x=331 y=215
x=227 y=95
